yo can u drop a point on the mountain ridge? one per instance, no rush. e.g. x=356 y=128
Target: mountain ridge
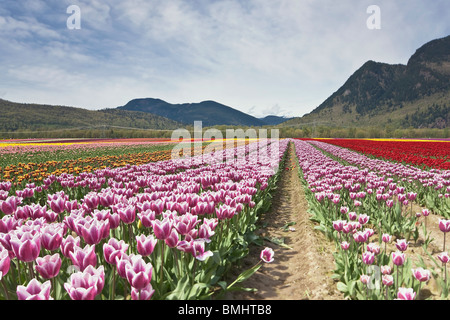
x=381 y=94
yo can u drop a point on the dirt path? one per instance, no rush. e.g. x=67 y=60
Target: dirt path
x=302 y=271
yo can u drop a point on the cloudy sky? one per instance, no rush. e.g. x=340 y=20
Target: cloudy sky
x=281 y=57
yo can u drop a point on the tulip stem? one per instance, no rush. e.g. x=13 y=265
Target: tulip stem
x=6 y=290
x=162 y=267
x=31 y=270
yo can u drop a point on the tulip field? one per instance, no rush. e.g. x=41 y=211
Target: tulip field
x=167 y=229
x=122 y=220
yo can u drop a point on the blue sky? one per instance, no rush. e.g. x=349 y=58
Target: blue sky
x=281 y=57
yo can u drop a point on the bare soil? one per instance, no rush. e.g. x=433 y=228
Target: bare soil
x=302 y=271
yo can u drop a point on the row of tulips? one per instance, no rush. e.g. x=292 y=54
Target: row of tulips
x=163 y=230
x=363 y=205
x=431 y=188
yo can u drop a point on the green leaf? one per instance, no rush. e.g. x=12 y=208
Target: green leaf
x=342 y=287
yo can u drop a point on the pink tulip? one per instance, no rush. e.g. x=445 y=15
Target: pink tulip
x=398 y=258
x=5 y=262
x=26 y=245
x=9 y=206
x=345 y=245
x=94 y=231
x=82 y=258
x=127 y=214
x=338 y=225
x=352 y=216
x=173 y=239
x=365 y=279
x=368 y=257
x=48 y=266
x=162 y=228
x=34 y=291
x=146 y=245
x=386 y=270
x=444 y=257
x=267 y=255
x=122 y=261
x=406 y=294
x=374 y=248
x=386 y=238
x=387 y=280
x=58 y=205
x=198 y=249
x=114 y=248
x=52 y=236
x=363 y=219
x=444 y=225
x=146 y=217
x=99 y=273
x=82 y=286
x=114 y=221
x=401 y=244
x=138 y=273
x=145 y=293
x=68 y=244
x=421 y=274
x=185 y=223
x=360 y=236
x=205 y=232
x=425 y=212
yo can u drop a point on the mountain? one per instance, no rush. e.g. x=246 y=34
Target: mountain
x=274 y=120
x=378 y=94
x=34 y=117
x=210 y=113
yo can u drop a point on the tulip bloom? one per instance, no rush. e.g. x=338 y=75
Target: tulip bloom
x=82 y=286
x=198 y=250
x=9 y=206
x=421 y=274
x=386 y=270
x=162 y=228
x=398 y=258
x=267 y=255
x=127 y=214
x=387 y=280
x=368 y=257
x=138 y=273
x=406 y=294
x=365 y=279
x=114 y=248
x=345 y=245
x=386 y=238
x=83 y=257
x=444 y=225
x=363 y=219
x=34 y=291
x=48 y=266
x=68 y=244
x=5 y=262
x=146 y=245
x=145 y=293
x=401 y=244
x=26 y=245
x=444 y=257
x=52 y=237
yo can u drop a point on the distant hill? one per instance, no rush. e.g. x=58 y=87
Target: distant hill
x=379 y=94
x=274 y=120
x=34 y=117
x=211 y=113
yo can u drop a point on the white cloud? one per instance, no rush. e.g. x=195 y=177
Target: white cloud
x=261 y=55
